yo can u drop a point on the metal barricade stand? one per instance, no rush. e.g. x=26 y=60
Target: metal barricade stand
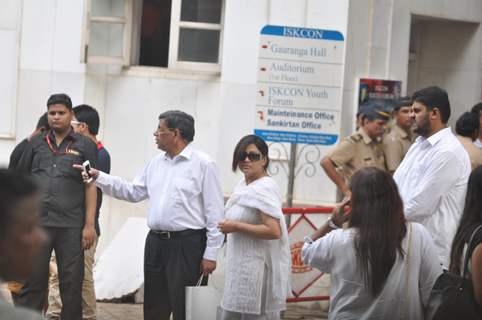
x=298 y=268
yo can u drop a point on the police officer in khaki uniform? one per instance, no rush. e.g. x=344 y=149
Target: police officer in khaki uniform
x=397 y=142
x=361 y=149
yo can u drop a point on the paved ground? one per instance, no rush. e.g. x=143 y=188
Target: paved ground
x=118 y=311
x=131 y=311
x=128 y=311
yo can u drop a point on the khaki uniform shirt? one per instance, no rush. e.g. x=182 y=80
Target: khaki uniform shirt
x=475 y=154
x=395 y=146
x=355 y=152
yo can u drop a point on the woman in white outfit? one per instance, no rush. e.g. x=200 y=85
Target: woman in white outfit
x=258 y=254
x=381 y=266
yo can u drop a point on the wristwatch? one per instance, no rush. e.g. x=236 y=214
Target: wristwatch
x=308 y=240
x=332 y=225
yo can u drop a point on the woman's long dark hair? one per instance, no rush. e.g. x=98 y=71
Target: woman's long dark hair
x=471 y=218
x=377 y=214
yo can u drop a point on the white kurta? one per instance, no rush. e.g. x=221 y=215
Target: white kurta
x=432 y=181
x=407 y=287
x=255 y=266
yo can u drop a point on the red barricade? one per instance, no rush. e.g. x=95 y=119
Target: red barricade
x=297 y=265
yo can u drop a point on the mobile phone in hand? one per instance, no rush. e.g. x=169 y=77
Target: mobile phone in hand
x=86 y=166
x=345 y=202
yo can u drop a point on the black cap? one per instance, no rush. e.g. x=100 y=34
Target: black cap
x=376 y=113
x=364 y=108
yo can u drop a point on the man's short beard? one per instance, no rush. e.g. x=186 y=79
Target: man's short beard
x=425 y=129
x=60 y=130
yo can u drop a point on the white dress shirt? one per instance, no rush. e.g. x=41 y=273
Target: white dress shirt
x=407 y=287
x=184 y=193
x=432 y=181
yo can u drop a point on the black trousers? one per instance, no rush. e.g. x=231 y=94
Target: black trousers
x=67 y=243
x=169 y=266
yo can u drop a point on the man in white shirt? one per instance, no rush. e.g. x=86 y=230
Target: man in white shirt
x=432 y=178
x=185 y=207
x=477 y=109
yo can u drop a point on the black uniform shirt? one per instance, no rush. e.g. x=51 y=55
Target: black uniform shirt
x=63 y=191
x=103 y=164
x=17 y=154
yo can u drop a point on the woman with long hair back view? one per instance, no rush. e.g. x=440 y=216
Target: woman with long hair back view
x=381 y=266
x=471 y=219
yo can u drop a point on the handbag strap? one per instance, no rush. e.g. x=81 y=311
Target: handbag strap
x=200 y=280
x=407 y=262
x=467 y=256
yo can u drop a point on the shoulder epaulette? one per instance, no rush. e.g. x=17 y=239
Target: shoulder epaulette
x=355 y=137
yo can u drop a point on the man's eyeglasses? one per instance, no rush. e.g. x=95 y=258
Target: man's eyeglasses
x=252 y=156
x=73 y=122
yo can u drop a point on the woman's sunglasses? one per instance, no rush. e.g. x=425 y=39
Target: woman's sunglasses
x=252 y=156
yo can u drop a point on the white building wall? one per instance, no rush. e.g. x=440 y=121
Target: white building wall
x=48 y=56
x=467 y=10
x=10 y=18
x=454 y=67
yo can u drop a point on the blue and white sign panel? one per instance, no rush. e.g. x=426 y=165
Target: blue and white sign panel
x=299 y=85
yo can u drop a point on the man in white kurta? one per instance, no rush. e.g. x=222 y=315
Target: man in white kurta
x=432 y=178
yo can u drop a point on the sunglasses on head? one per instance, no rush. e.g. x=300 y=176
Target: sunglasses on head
x=252 y=156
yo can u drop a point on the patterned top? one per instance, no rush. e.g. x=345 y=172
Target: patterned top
x=255 y=266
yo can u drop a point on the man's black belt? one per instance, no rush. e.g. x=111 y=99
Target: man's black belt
x=166 y=235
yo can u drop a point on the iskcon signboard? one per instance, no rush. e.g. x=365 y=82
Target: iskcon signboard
x=299 y=85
